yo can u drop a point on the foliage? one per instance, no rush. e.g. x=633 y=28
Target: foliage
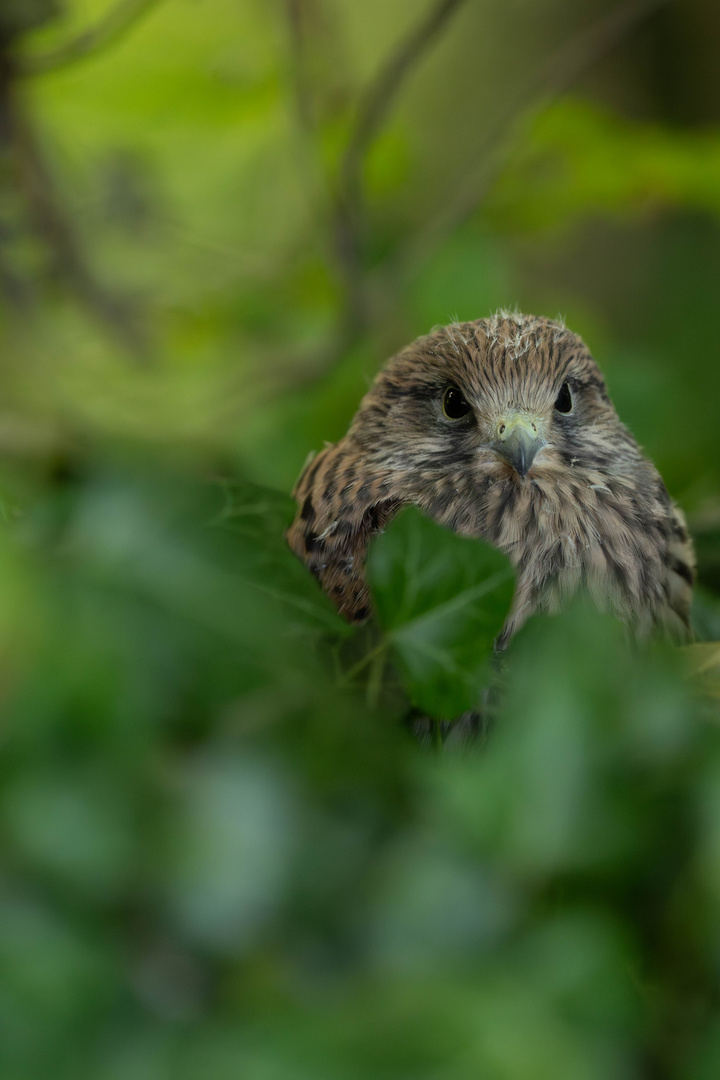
x=223 y=851
x=586 y=159
x=221 y=858
x=441 y=600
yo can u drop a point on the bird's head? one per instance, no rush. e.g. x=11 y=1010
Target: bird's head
x=483 y=425
x=511 y=398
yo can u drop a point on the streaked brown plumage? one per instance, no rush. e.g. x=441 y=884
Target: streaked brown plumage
x=502 y=428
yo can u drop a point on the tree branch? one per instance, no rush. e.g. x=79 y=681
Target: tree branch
x=554 y=77
x=373 y=110
x=378 y=100
x=118 y=21
x=551 y=80
x=54 y=230
x=298 y=64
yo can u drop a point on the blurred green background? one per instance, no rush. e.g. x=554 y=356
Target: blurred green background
x=222 y=852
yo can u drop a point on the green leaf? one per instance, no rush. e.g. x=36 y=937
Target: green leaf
x=258 y=517
x=579 y=158
x=441 y=600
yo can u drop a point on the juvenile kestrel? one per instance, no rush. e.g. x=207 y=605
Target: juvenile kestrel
x=502 y=428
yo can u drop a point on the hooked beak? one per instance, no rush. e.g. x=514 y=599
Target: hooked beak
x=518 y=441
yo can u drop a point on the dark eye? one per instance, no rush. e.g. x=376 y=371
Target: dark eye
x=454 y=404
x=564 y=401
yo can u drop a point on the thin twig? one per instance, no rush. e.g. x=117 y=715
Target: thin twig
x=319 y=185
x=551 y=80
x=15 y=290
x=373 y=111
x=20 y=144
x=105 y=33
x=311 y=163
x=378 y=100
x=298 y=65
x=55 y=231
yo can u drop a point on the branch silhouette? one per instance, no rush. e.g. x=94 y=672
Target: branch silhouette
x=550 y=81
x=119 y=21
x=374 y=108
x=377 y=102
x=554 y=77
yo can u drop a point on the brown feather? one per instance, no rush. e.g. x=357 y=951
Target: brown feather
x=591 y=511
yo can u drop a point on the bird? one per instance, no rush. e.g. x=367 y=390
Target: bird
x=502 y=429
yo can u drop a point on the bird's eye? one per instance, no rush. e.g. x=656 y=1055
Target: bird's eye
x=564 y=401
x=454 y=404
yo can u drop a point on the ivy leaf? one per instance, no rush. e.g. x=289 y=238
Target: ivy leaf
x=441 y=600
x=258 y=517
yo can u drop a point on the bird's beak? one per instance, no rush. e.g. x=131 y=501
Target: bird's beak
x=517 y=441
